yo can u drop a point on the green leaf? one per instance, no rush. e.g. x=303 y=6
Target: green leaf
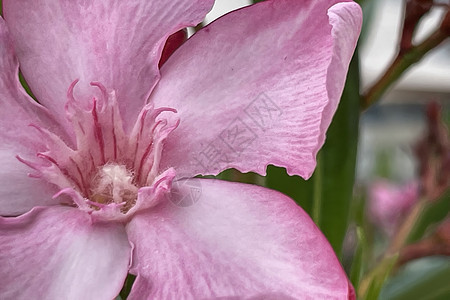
x=26 y=86
x=236 y=176
x=357 y=265
x=368 y=7
x=294 y=186
x=327 y=195
x=128 y=284
x=434 y=213
x=380 y=276
x=425 y=279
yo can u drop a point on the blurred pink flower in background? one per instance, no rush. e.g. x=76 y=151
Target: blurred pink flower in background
x=389 y=202
x=88 y=191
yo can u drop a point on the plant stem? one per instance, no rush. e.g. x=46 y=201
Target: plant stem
x=401 y=63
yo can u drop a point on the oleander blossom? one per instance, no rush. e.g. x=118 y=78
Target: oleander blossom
x=390 y=202
x=92 y=176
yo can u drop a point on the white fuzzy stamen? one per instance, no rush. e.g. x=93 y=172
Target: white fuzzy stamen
x=114 y=183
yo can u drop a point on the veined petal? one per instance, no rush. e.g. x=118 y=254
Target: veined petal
x=236 y=240
x=258 y=86
x=18 y=192
x=118 y=43
x=56 y=253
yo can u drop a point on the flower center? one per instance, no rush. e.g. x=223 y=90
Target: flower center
x=114 y=184
x=109 y=173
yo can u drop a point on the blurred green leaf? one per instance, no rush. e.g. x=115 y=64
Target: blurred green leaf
x=327 y=195
x=425 y=279
x=380 y=275
x=368 y=8
x=383 y=164
x=360 y=218
x=357 y=265
x=433 y=214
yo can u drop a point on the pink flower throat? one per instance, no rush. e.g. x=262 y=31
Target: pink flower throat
x=110 y=173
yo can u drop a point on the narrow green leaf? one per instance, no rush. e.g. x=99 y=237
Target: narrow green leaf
x=368 y=7
x=126 y=289
x=294 y=186
x=357 y=265
x=382 y=273
x=26 y=86
x=317 y=188
x=236 y=176
x=434 y=213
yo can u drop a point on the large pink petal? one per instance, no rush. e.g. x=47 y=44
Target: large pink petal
x=259 y=86
x=117 y=43
x=18 y=192
x=57 y=253
x=236 y=240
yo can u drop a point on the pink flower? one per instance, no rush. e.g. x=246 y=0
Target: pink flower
x=388 y=203
x=91 y=177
